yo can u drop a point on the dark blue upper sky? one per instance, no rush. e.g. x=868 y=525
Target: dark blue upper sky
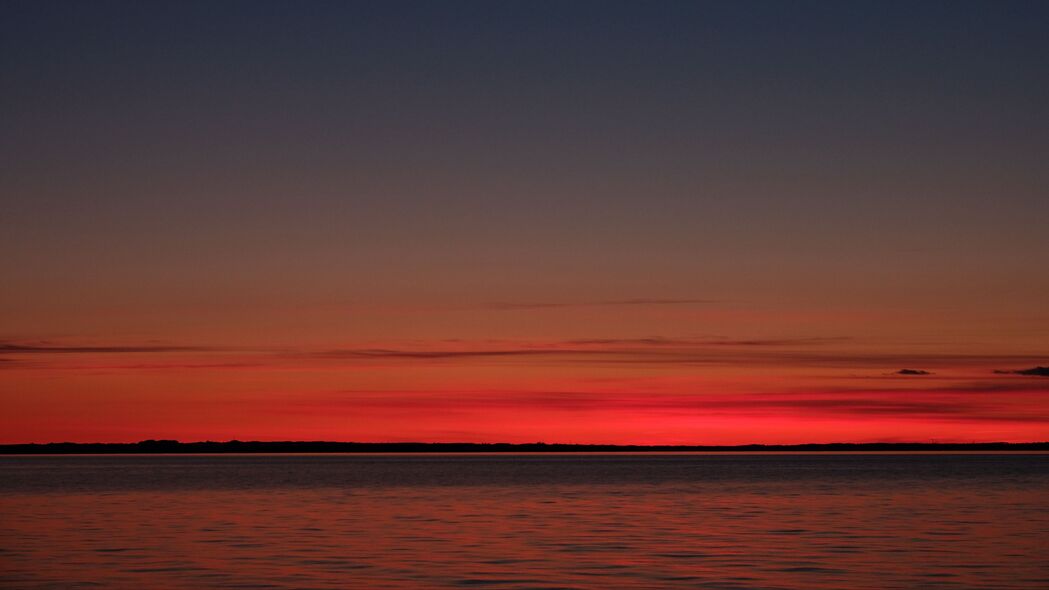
x=683 y=147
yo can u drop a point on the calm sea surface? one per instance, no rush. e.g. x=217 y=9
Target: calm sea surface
x=525 y=521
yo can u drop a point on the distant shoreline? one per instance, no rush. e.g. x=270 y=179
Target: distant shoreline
x=301 y=447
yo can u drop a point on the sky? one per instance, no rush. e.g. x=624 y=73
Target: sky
x=581 y=222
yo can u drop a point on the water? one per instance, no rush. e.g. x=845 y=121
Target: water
x=525 y=521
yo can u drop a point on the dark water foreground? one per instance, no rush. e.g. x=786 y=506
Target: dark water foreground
x=525 y=521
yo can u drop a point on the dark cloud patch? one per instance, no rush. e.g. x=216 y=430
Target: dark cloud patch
x=1032 y=372
x=912 y=372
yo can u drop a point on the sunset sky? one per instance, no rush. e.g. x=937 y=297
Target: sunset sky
x=583 y=222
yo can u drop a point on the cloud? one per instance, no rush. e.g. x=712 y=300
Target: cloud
x=666 y=352
x=917 y=405
x=626 y=352
x=652 y=341
x=944 y=387
x=511 y=306
x=1032 y=372
x=817 y=353
x=12 y=348
x=687 y=342
x=384 y=353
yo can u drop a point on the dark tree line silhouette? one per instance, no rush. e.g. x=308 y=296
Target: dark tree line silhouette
x=235 y=446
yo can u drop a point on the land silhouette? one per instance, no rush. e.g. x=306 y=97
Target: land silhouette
x=236 y=446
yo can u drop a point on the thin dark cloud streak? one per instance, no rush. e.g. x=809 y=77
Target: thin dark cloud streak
x=666 y=352
x=827 y=404
x=512 y=306
x=11 y=348
x=383 y=353
x=858 y=360
x=697 y=342
x=957 y=387
x=651 y=351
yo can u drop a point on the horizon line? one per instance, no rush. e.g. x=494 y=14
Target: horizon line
x=165 y=445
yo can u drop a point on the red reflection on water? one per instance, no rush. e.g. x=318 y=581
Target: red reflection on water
x=783 y=535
